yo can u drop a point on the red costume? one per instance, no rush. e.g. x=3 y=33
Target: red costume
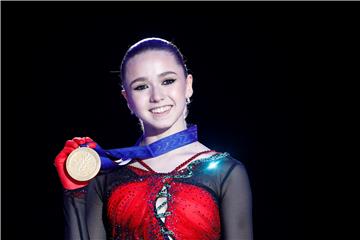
x=209 y=199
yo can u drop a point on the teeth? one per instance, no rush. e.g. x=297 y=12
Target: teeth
x=160 y=109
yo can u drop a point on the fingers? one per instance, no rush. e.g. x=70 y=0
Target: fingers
x=71 y=145
x=79 y=140
x=83 y=140
x=62 y=156
x=90 y=142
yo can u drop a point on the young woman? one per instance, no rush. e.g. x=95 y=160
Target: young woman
x=180 y=189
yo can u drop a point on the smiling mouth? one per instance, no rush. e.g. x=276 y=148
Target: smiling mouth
x=161 y=110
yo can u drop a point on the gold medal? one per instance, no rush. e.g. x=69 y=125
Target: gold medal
x=83 y=164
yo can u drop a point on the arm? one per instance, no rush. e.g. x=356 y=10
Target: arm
x=236 y=206
x=74 y=213
x=75 y=192
x=83 y=211
x=95 y=214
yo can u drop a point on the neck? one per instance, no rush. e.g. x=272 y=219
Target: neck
x=152 y=135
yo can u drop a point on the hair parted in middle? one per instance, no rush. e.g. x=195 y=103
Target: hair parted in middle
x=152 y=43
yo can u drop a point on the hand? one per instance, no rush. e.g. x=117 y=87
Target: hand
x=70 y=145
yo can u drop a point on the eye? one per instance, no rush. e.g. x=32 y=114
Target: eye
x=168 y=81
x=140 y=87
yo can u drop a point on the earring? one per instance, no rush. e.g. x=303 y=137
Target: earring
x=187 y=100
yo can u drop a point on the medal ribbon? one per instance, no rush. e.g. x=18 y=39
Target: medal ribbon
x=113 y=157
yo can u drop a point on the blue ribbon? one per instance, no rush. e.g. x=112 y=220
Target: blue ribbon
x=114 y=157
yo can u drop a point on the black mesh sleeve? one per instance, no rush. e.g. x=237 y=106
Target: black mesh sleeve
x=95 y=217
x=74 y=213
x=83 y=211
x=236 y=204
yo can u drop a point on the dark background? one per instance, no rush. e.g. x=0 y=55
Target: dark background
x=251 y=64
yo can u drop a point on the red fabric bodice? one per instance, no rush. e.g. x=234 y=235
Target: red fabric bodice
x=191 y=213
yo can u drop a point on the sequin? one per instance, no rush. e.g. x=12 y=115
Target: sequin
x=154 y=205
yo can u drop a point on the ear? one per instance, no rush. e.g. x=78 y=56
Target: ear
x=123 y=92
x=189 y=88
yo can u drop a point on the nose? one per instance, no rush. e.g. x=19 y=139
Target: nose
x=156 y=94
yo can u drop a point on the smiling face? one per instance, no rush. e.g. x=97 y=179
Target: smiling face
x=156 y=88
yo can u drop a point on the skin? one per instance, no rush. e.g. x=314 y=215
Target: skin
x=153 y=79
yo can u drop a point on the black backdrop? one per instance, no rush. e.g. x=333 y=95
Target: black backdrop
x=58 y=82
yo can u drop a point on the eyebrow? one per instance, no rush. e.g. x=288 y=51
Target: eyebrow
x=141 y=79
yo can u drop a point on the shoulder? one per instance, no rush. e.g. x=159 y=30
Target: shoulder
x=233 y=171
x=213 y=155
x=222 y=168
x=226 y=160
x=227 y=164
x=219 y=163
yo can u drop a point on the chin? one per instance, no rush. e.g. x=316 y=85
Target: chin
x=161 y=125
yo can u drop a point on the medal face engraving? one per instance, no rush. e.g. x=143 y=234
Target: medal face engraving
x=83 y=164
